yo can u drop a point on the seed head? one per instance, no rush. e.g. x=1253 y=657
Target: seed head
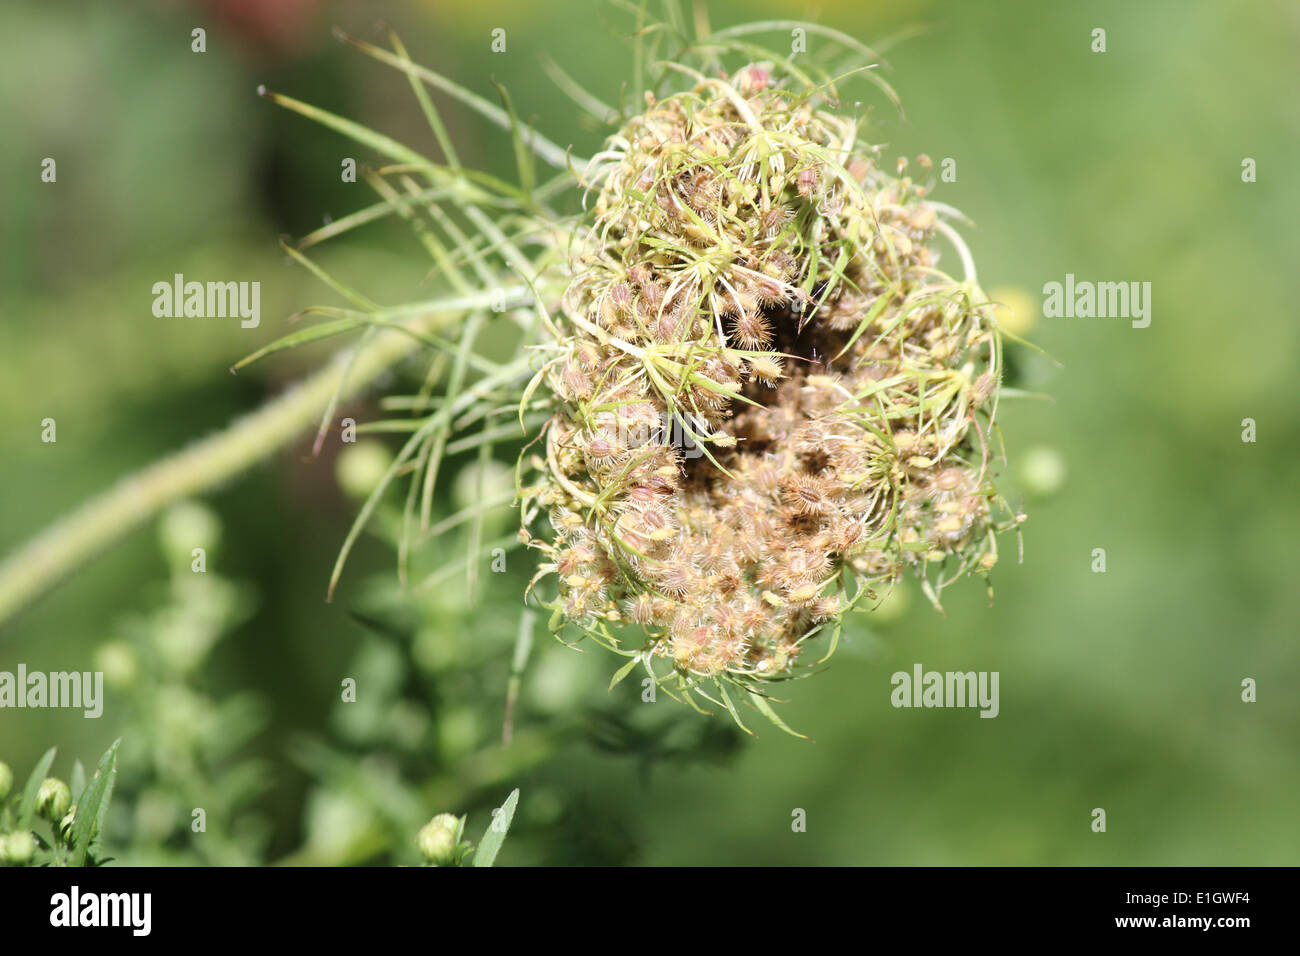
x=752 y=330
x=751 y=273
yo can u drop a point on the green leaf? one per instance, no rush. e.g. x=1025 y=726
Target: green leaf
x=441 y=421
x=731 y=709
x=363 y=216
x=430 y=111
x=327 y=417
x=766 y=710
x=321 y=331
x=623 y=671
x=523 y=158
x=523 y=648
x=495 y=835
x=78 y=782
x=877 y=307
x=571 y=88
x=93 y=806
x=347 y=292
x=546 y=150
x=27 y=805
x=354 y=131
x=835 y=640
x=476 y=523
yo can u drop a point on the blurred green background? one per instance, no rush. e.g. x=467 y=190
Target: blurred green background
x=1119 y=690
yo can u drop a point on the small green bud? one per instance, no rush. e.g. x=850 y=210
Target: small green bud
x=18 y=848
x=361 y=467
x=65 y=825
x=439 y=838
x=53 y=799
x=118 y=663
x=185 y=526
x=1042 y=471
x=6 y=779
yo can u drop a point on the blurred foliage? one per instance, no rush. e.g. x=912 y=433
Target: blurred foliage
x=185 y=782
x=1119 y=690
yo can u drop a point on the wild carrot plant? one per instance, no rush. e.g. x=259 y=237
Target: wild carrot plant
x=756 y=399
x=749 y=397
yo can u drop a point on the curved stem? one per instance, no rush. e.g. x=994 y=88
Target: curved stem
x=36 y=566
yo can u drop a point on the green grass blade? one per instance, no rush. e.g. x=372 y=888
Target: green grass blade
x=77 y=783
x=93 y=807
x=495 y=835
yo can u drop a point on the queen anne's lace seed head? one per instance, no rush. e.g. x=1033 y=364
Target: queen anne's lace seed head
x=771 y=403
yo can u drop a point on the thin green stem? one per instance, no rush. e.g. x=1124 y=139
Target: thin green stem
x=38 y=565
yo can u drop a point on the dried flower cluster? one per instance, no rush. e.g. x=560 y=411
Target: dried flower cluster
x=770 y=399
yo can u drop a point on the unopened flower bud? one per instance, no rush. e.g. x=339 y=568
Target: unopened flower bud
x=53 y=799
x=439 y=838
x=117 y=661
x=1042 y=471
x=185 y=526
x=17 y=849
x=361 y=467
x=1015 y=311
